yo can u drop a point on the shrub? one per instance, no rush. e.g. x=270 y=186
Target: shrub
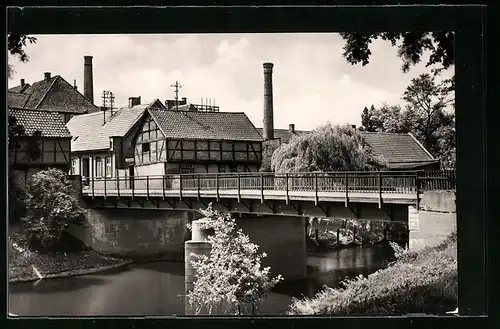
x=418 y=282
x=232 y=273
x=50 y=208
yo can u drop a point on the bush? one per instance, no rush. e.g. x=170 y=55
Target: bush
x=50 y=208
x=418 y=282
x=232 y=273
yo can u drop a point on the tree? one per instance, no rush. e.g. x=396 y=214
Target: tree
x=232 y=273
x=327 y=148
x=268 y=148
x=411 y=47
x=50 y=207
x=15 y=45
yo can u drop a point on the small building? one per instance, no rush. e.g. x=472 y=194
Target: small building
x=102 y=143
x=401 y=151
x=45 y=143
x=53 y=94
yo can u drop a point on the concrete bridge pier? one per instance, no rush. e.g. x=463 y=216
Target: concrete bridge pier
x=282 y=238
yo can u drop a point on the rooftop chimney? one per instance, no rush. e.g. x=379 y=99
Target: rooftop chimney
x=88 y=80
x=47 y=76
x=291 y=127
x=22 y=83
x=133 y=101
x=353 y=126
x=268 y=131
x=74 y=84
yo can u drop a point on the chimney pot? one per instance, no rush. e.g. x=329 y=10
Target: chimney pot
x=47 y=76
x=22 y=83
x=88 y=79
x=268 y=130
x=184 y=100
x=291 y=127
x=133 y=101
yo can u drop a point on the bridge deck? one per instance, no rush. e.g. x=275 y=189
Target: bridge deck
x=399 y=198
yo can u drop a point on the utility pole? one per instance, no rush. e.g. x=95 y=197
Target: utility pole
x=111 y=101
x=176 y=87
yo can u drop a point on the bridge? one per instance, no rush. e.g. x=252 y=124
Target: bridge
x=320 y=194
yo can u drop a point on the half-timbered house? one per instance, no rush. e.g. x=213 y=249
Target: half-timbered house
x=44 y=142
x=191 y=142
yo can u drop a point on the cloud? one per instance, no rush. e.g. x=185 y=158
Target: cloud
x=312 y=82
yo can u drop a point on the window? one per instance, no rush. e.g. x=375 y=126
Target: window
x=187 y=169
x=98 y=167
x=222 y=168
x=145 y=147
x=108 y=169
x=74 y=167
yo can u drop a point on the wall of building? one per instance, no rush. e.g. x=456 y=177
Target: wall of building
x=52 y=152
x=135 y=233
x=435 y=219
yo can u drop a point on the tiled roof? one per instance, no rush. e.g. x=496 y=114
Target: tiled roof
x=48 y=123
x=93 y=134
x=18 y=89
x=54 y=95
x=205 y=125
x=397 y=148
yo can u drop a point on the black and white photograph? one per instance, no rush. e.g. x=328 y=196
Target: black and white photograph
x=235 y=174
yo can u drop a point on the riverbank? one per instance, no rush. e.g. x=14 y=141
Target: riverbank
x=418 y=282
x=25 y=265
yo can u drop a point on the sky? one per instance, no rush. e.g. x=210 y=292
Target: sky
x=313 y=83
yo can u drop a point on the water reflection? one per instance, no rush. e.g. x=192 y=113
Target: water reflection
x=158 y=288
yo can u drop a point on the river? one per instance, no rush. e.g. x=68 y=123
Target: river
x=156 y=289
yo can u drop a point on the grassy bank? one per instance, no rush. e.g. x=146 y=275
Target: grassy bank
x=418 y=282
x=73 y=261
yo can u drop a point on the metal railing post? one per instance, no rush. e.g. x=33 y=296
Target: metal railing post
x=315 y=189
x=262 y=188
x=346 y=177
x=180 y=186
x=93 y=188
x=239 y=187
x=118 y=186
x=104 y=186
x=380 y=189
x=147 y=187
x=217 y=185
x=198 y=185
x=164 y=180
x=286 y=186
x=133 y=186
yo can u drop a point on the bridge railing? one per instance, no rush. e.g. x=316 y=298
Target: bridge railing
x=362 y=182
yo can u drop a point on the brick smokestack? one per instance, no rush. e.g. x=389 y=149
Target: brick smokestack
x=268 y=130
x=88 y=80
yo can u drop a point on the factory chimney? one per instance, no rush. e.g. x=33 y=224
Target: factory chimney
x=268 y=130
x=88 y=80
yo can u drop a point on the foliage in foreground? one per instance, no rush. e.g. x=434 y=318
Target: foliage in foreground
x=50 y=207
x=418 y=282
x=327 y=148
x=232 y=274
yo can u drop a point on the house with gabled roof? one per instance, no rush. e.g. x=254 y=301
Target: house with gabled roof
x=190 y=142
x=401 y=151
x=45 y=142
x=102 y=144
x=51 y=94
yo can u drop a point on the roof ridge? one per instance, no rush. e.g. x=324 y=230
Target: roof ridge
x=47 y=91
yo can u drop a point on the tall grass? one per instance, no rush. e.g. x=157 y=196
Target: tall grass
x=417 y=282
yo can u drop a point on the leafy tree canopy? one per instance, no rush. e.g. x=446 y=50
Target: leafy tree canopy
x=15 y=45
x=411 y=47
x=327 y=148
